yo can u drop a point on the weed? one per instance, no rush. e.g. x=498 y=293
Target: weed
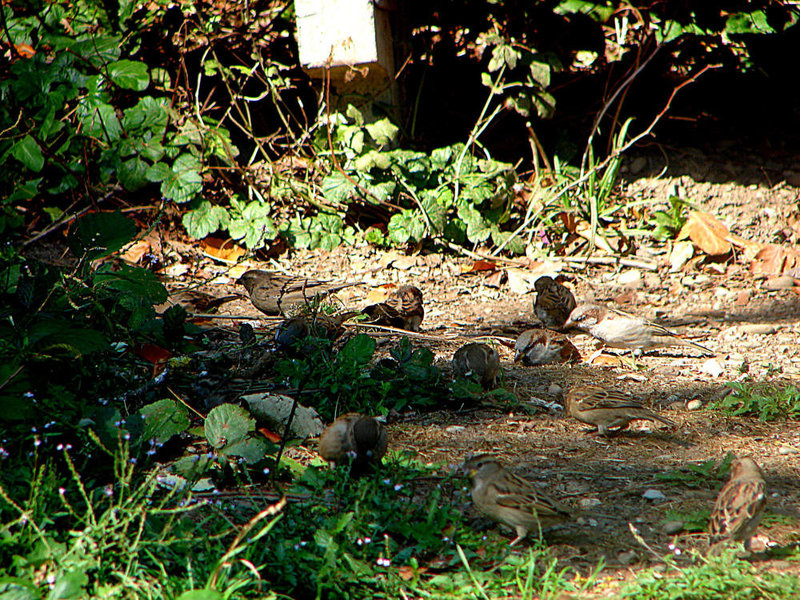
x=699 y=475
x=767 y=402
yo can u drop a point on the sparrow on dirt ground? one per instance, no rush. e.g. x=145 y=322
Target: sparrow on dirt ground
x=739 y=505
x=353 y=438
x=554 y=302
x=402 y=309
x=477 y=360
x=543 y=347
x=623 y=330
x=274 y=293
x=607 y=409
x=510 y=499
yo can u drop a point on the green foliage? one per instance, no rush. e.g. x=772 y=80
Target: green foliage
x=767 y=402
x=723 y=577
x=667 y=223
x=694 y=522
x=348 y=380
x=693 y=475
x=86 y=116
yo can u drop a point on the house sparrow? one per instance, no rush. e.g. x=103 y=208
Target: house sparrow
x=554 y=302
x=293 y=333
x=622 y=330
x=479 y=360
x=739 y=505
x=273 y=293
x=353 y=437
x=510 y=499
x=402 y=309
x=594 y=405
x=544 y=347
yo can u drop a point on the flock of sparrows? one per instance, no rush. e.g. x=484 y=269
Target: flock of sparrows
x=361 y=441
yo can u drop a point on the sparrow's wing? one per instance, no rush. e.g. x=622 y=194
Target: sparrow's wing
x=739 y=502
x=599 y=398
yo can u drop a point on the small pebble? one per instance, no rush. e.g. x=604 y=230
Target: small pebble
x=585 y=503
x=555 y=389
x=654 y=495
x=627 y=557
x=758 y=328
x=672 y=527
x=784 y=282
x=630 y=279
x=694 y=404
x=785 y=450
x=454 y=429
x=712 y=367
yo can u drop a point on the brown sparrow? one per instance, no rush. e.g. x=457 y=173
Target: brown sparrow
x=554 y=302
x=510 y=499
x=544 y=347
x=478 y=360
x=594 y=405
x=274 y=293
x=623 y=330
x=739 y=505
x=353 y=437
x=402 y=309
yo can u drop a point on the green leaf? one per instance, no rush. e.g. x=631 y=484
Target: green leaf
x=184 y=181
x=132 y=281
x=357 y=351
x=68 y=585
x=251 y=449
x=406 y=226
x=227 y=424
x=337 y=188
x=132 y=174
x=99 y=120
x=478 y=229
x=128 y=74
x=101 y=234
x=754 y=23
x=540 y=73
x=201 y=595
x=163 y=419
x=54 y=336
x=28 y=152
x=383 y=131
x=503 y=55
x=148 y=114
x=435 y=211
x=254 y=224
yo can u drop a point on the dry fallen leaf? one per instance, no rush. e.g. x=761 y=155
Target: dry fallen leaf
x=680 y=255
x=479 y=265
x=707 y=233
x=222 y=250
x=134 y=251
x=605 y=360
x=773 y=259
x=380 y=293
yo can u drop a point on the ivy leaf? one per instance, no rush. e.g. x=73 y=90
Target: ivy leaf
x=132 y=282
x=129 y=74
x=435 y=211
x=406 y=225
x=478 y=229
x=132 y=173
x=227 y=424
x=337 y=188
x=184 y=181
x=163 y=419
x=28 y=152
x=205 y=219
x=357 y=351
x=100 y=234
x=251 y=449
x=254 y=224
x=383 y=131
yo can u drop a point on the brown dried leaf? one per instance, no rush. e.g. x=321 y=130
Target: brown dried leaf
x=606 y=360
x=223 y=250
x=479 y=265
x=135 y=251
x=773 y=259
x=707 y=233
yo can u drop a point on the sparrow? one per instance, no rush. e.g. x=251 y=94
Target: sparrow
x=594 y=405
x=274 y=293
x=510 y=499
x=353 y=438
x=623 y=330
x=739 y=505
x=544 y=347
x=293 y=334
x=479 y=360
x=554 y=302
x=402 y=309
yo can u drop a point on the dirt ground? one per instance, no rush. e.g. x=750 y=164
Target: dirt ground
x=753 y=329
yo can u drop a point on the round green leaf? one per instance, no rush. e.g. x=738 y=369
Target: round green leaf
x=129 y=74
x=28 y=152
x=228 y=424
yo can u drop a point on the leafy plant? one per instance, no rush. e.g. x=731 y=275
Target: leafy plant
x=767 y=402
x=693 y=475
x=667 y=223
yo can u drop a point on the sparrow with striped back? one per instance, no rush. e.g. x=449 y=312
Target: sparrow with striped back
x=477 y=360
x=619 y=329
x=403 y=309
x=554 y=302
x=510 y=499
x=607 y=409
x=274 y=293
x=543 y=347
x=739 y=505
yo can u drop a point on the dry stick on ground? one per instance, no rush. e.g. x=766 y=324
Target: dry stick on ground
x=601 y=165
